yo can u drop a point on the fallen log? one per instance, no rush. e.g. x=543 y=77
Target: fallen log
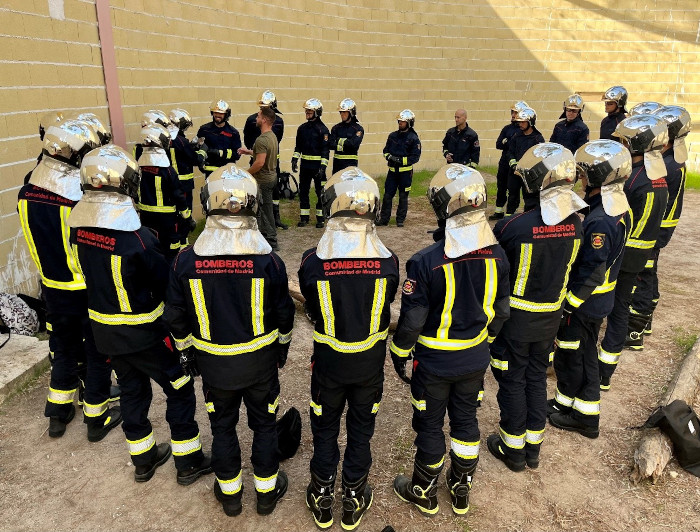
x=655 y=449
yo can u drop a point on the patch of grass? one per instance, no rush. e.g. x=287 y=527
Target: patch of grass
x=684 y=339
x=487 y=169
x=692 y=180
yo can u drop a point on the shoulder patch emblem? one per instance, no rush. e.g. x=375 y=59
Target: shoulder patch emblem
x=419 y=145
x=325 y=137
x=597 y=240
x=476 y=143
x=359 y=133
x=409 y=286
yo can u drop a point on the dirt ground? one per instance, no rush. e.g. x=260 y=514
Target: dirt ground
x=581 y=484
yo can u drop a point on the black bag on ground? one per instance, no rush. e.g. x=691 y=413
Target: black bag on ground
x=288 y=434
x=678 y=421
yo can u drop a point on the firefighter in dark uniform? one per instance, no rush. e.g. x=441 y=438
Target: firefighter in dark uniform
x=603 y=166
x=503 y=167
x=572 y=132
x=44 y=205
x=346 y=136
x=615 y=99
x=251 y=132
x=544 y=238
x=312 y=145
x=519 y=143
x=349 y=281
x=162 y=202
x=455 y=300
x=647 y=193
x=230 y=312
x=126 y=276
x=461 y=143
x=218 y=140
x=154 y=116
x=402 y=151
x=184 y=158
x=646 y=293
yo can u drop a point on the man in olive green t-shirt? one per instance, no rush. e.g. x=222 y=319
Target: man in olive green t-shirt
x=264 y=170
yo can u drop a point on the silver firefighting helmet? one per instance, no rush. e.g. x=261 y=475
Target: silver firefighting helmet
x=606 y=164
x=616 y=94
x=679 y=125
x=230 y=201
x=154 y=116
x=645 y=135
x=155 y=140
x=65 y=145
x=110 y=178
x=350 y=202
x=519 y=106
x=574 y=102
x=407 y=116
x=268 y=99
x=526 y=115
x=348 y=104
x=181 y=119
x=103 y=133
x=458 y=195
x=315 y=105
x=644 y=108
x=550 y=169
x=52 y=118
x=220 y=106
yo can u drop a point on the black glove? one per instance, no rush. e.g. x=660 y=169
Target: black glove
x=295 y=165
x=282 y=352
x=188 y=361
x=191 y=224
x=513 y=163
x=565 y=315
x=321 y=173
x=201 y=160
x=400 y=366
x=393 y=160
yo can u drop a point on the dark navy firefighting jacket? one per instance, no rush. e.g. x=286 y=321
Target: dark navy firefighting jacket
x=222 y=144
x=463 y=145
x=406 y=146
x=675 y=179
x=312 y=145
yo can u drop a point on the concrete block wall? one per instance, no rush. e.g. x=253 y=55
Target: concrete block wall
x=431 y=57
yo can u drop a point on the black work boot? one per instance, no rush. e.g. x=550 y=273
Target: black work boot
x=99 y=428
x=57 y=426
x=319 y=499
x=553 y=407
x=231 y=503
x=320 y=223
x=532 y=455
x=187 y=476
x=421 y=490
x=459 y=480
x=501 y=451
x=357 y=499
x=604 y=383
x=635 y=331
x=144 y=473
x=497 y=216
x=267 y=501
x=568 y=422
x=303 y=221
x=278 y=220
x=648 y=329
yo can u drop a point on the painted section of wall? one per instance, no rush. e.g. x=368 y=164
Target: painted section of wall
x=387 y=55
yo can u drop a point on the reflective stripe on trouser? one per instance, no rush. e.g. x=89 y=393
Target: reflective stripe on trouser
x=223 y=417
x=232 y=486
x=184 y=447
x=134 y=372
x=459 y=397
x=74 y=344
x=265 y=484
x=616 y=329
x=400 y=181
x=578 y=379
x=331 y=396
x=306 y=176
x=522 y=388
x=646 y=290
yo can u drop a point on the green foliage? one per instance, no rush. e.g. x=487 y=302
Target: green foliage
x=692 y=180
x=684 y=339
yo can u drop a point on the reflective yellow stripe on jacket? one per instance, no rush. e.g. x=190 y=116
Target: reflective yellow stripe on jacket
x=200 y=308
x=256 y=303
x=126 y=319
x=122 y=294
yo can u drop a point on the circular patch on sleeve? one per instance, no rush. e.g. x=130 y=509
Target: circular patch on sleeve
x=409 y=286
x=597 y=240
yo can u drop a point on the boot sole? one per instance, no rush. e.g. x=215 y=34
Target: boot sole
x=60 y=433
x=190 y=479
x=429 y=513
x=460 y=511
x=320 y=525
x=353 y=527
x=148 y=476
